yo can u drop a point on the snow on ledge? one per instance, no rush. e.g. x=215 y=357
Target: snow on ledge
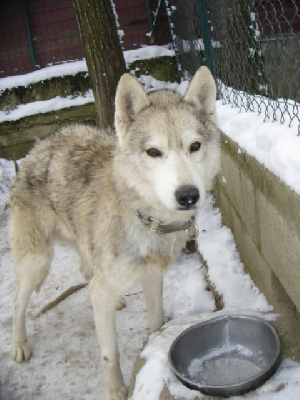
x=52 y=71
x=45 y=106
x=275 y=146
x=74 y=67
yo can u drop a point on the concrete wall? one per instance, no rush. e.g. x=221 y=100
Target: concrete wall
x=17 y=137
x=264 y=216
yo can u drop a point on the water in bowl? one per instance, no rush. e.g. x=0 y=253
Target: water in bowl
x=225 y=366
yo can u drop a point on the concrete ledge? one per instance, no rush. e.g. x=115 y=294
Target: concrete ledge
x=68 y=85
x=264 y=216
x=17 y=137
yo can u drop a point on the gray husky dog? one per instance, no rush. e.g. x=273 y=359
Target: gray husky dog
x=126 y=201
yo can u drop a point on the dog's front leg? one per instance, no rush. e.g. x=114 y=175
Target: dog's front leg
x=153 y=292
x=104 y=304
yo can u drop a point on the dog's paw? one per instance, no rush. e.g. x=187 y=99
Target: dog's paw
x=120 y=394
x=21 y=351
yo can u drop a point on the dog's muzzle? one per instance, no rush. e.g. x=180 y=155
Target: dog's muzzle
x=158 y=226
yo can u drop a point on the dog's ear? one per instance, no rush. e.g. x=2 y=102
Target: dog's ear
x=130 y=100
x=202 y=93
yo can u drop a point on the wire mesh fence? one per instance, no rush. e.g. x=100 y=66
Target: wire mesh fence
x=251 y=46
x=38 y=33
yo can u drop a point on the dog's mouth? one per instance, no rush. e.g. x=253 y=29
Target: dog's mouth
x=186 y=208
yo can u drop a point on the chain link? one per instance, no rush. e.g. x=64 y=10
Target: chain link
x=254 y=49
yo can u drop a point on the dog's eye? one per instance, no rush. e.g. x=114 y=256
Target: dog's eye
x=154 y=152
x=195 y=147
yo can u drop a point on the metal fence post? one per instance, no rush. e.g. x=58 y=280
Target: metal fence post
x=149 y=15
x=28 y=35
x=205 y=30
x=169 y=12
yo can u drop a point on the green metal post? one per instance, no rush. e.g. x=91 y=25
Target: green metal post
x=205 y=29
x=149 y=15
x=169 y=12
x=28 y=35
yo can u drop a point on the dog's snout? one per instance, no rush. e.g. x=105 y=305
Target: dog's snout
x=187 y=196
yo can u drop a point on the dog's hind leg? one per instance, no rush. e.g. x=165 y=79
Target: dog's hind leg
x=104 y=303
x=30 y=273
x=32 y=255
x=153 y=291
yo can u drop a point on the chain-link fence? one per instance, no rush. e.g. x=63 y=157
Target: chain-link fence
x=251 y=46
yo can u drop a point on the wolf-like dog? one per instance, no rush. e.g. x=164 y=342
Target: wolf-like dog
x=125 y=199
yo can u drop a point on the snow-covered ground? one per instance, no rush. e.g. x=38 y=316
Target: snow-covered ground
x=65 y=364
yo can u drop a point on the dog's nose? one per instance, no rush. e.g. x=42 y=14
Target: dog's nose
x=187 y=196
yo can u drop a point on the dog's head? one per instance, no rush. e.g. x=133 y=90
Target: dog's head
x=168 y=145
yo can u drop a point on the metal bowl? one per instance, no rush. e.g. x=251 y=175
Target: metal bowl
x=226 y=356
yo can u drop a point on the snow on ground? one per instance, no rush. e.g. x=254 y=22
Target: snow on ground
x=66 y=365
